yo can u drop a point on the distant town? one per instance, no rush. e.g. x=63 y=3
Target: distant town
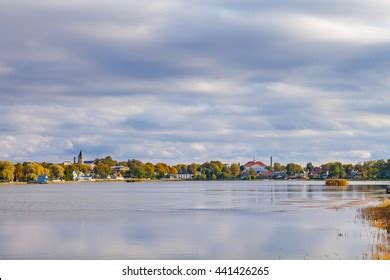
x=80 y=169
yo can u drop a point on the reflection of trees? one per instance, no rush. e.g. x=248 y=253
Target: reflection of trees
x=379 y=217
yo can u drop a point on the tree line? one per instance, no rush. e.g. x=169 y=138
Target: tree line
x=213 y=170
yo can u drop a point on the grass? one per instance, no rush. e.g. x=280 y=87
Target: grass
x=379 y=217
x=337 y=182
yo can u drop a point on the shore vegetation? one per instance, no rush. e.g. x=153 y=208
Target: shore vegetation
x=107 y=167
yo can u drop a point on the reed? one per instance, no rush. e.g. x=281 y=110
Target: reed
x=379 y=217
x=337 y=182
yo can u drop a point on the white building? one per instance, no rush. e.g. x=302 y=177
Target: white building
x=81 y=176
x=257 y=166
x=183 y=175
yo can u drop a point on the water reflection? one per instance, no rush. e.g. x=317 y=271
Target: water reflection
x=186 y=220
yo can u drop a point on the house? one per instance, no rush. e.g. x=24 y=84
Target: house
x=324 y=175
x=279 y=175
x=81 y=176
x=355 y=174
x=185 y=175
x=315 y=173
x=118 y=171
x=43 y=179
x=74 y=175
x=119 y=168
x=257 y=166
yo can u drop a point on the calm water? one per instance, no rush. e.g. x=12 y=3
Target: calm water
x=186 y=220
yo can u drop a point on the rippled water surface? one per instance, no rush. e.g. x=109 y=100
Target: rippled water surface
x=186 y=220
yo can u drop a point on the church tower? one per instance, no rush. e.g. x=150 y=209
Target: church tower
x=81 y=158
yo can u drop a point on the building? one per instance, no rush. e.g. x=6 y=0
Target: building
x=81 y=176
x=90 y=163
x=185 y=175
x=257 y=166
x=118 y=171
x=81 y=160
x=43 y=179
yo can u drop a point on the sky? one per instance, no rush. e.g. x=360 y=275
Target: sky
x=193 y=81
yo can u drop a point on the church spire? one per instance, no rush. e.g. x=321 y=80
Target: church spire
x=81 y=158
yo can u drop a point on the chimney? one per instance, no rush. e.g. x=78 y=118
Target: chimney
x=272 y=167
x=74 y=160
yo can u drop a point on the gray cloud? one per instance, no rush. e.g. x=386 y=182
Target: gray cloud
x=184 y=81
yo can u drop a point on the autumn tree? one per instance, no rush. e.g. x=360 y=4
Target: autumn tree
x=173 y=171
x=149 y=169
x=7 y=170
x=193 y=168
x=235 y=170
x=19 y=175
x=57 y=171
x=278 y=167
x=107 y=160
x=161 y=169
x=294 y=169
x=102 y=170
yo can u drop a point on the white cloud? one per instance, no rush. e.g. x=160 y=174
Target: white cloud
x=352 y=155
x=334 y=30
x=182 y=81
x=198 y=147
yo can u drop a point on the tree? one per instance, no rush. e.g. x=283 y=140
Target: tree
x=68 y=173
x=225 y=174
x=102 y=170
x=7 y=170
x=162 y=170
x=336 y=170
x=149 y=168
x=278 y=167
x=138 y=171
x=294 y=169
x=173 y=171
x=81 y=168
x=252 y=174
x=348 y=169
x=107 y=160
x=57 y=171
x=30 y=171
x=235 y=170
x=193 y=168
x=19 y=175
x=201 y=176
x=181 y=167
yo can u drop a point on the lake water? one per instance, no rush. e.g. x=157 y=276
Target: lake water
x=186 y=220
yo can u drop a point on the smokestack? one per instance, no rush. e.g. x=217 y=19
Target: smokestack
x=74 y=160
x=272 y=167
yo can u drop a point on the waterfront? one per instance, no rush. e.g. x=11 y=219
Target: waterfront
x=187 y=220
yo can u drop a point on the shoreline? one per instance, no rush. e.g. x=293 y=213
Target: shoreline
x=133 y=180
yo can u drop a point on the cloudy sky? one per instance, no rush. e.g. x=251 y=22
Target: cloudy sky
x=184 y=81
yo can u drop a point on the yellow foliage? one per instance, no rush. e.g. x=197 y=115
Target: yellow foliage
x=337 y=182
